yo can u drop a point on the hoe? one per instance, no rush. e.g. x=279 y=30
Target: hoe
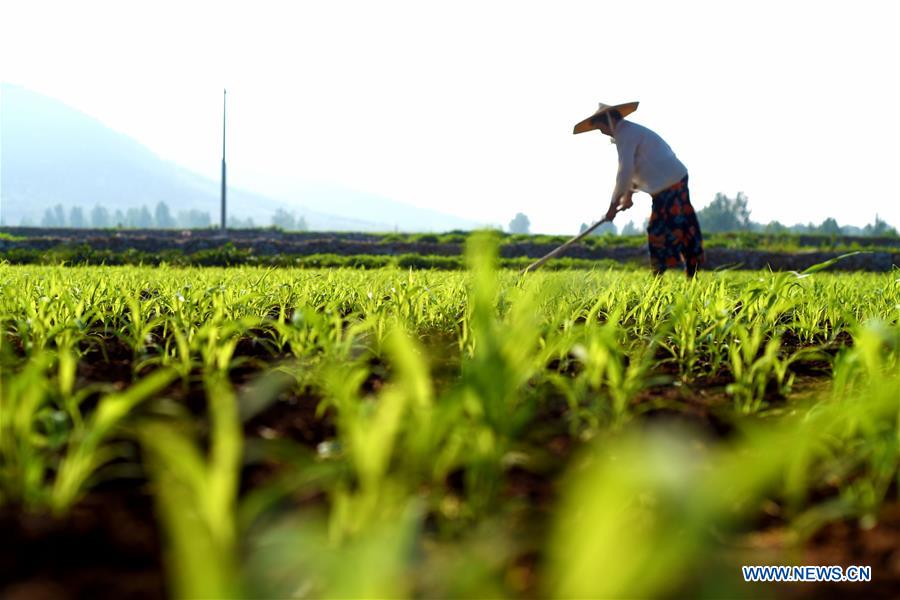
x=555 y=252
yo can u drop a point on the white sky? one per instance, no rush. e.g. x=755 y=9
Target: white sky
x=468 y=107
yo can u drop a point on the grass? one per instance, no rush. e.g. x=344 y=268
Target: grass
x=387 y=432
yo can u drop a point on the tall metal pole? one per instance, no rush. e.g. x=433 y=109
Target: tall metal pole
x=223 y=159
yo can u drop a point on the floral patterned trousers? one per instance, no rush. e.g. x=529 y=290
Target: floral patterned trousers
x=673 y=234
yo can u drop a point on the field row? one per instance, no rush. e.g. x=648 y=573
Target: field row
x=390 y=433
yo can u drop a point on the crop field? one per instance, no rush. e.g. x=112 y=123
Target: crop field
x=253 y=432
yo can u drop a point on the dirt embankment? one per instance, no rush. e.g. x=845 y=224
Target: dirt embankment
x=267 y=243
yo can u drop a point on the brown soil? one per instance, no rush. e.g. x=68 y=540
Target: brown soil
x=843 y=543
x=105 y=360
x=106 y=547
x=702 y=409
x=293 y=417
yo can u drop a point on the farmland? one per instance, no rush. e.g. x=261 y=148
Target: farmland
x=277 y=432
x=315 y=249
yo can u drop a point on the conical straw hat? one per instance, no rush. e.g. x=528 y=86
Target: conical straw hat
x=624 y=109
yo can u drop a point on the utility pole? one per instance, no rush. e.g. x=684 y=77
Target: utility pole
x=223 y=159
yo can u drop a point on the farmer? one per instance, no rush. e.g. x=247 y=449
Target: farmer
x=647 y=164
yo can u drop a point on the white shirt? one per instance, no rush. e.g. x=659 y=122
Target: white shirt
x=646 y=162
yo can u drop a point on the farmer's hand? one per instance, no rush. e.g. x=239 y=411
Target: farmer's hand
x=624 y=203
x=611 y=213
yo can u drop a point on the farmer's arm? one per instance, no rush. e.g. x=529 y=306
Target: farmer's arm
x=622 y=192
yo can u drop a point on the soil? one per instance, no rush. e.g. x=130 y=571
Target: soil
x=293 y=417
x=107 y=546
x=106 y=360
x=843 y=543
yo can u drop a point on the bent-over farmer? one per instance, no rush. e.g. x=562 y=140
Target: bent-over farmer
x=647 y=164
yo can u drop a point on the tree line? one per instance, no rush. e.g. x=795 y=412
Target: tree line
x=160 y=218
x=726 y=214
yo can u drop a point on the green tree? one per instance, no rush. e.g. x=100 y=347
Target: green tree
x=284 y=220
x=145 y=219
x=194 y=219
x=164 y=218
x=76 y=218
x=829 y=227
x=238 y=223
x=725 y=214
x=519 y=224
x=605 y=229
x=879 y=228
x=99 y=217
x=775 y=227
x=132 y=218
x=60 y=215
x=630 y=229
x=54 y=217
x=48 y=220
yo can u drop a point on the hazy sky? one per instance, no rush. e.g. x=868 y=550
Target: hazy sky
x=468 y=107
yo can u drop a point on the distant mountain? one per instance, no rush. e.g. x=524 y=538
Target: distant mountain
x=53 y=154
